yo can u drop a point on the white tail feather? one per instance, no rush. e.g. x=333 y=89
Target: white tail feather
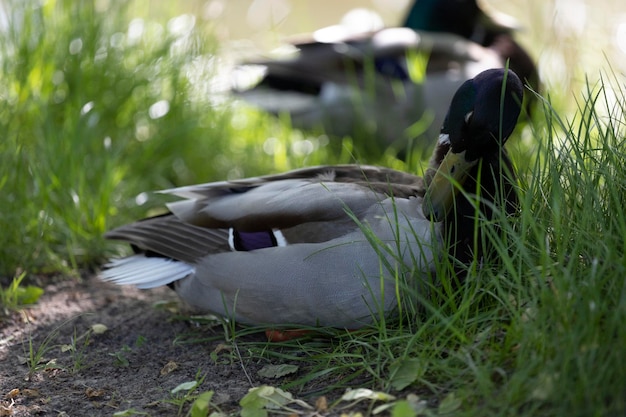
x=145 y=272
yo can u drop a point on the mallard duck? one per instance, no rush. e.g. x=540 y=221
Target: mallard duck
x=322 y=246
x=360 y=85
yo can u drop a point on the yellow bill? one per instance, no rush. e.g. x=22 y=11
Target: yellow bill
x=446 y=182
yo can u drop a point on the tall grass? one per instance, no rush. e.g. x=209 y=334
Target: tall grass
x=569 y=259
x=540 y=332
x=80 y=96
x=98 y=107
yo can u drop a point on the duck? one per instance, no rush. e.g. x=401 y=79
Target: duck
x=330 y=245
x=368 y=85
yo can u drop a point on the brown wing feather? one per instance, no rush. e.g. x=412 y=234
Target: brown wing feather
x=170 y=237
x=193 y=232
x=378 y=179
x=290 y=199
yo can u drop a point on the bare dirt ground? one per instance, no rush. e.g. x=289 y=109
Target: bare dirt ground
x=133 y=365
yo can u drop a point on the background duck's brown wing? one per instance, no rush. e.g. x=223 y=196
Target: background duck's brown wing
x=342 y=61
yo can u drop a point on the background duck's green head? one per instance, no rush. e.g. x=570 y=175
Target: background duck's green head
x=460 y=17
x=451 y=16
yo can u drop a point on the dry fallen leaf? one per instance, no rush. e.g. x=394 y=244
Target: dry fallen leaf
x=13 y=393
x=94 y=392
x=222 y=346
x=6 y=408
x=99 y=328
x=321 y=404
x=169 y=367
x=277 y=371
x=170 y=306
x=28 y=392
x=359 y=394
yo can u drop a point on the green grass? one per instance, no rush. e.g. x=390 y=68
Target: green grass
x=16 y=295
x=82 y=143
x=540 y=333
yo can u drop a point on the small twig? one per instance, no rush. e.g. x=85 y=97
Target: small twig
x=241 y=362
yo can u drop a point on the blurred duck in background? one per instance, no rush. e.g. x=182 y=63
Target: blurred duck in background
x=393 y=84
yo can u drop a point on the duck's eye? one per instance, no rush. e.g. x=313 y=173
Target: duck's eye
x=468 y=117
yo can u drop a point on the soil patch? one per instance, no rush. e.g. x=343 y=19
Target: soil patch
x=134 y=364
